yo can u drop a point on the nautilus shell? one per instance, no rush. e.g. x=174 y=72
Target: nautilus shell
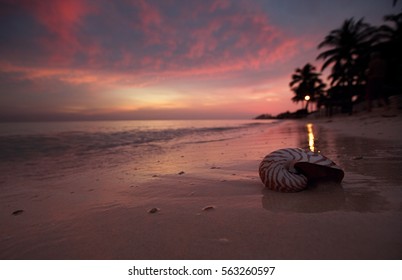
x=290 y=170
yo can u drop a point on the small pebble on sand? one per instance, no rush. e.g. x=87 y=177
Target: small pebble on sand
x=17 y=212
x=208 y=208
x=153 y=210
x=223 y=240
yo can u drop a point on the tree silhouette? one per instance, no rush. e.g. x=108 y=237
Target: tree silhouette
x=347 y=50
x=306 y=82
x=392 y=33
x=389 y=44
x=348 y=53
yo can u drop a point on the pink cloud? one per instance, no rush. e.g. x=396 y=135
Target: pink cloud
x=151 y=23
x=251 y=43
x=219 y=5
x=149 y=15
x=224 y=42
x=62 y=19
x=241 y=38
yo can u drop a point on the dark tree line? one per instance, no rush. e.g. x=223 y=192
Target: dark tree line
x=346 y=52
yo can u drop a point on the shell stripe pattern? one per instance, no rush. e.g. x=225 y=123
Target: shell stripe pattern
x=277 y=170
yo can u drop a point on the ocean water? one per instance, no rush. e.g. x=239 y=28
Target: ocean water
x=45 y=147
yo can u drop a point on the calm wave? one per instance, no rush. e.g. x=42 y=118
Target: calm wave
x=27 y=141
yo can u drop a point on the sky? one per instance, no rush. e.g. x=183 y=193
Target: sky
x=165 y=59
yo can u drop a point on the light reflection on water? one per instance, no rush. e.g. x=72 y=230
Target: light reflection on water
x=310 y=135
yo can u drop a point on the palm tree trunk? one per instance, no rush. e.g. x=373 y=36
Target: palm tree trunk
x=306 y=108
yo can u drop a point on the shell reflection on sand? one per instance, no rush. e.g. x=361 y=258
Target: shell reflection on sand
x=326 y=196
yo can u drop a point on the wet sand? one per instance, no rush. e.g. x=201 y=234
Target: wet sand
x=211 y=203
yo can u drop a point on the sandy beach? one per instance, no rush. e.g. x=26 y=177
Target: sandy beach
x=209 y=203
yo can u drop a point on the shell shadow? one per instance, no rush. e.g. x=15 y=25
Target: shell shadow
x=319 y=197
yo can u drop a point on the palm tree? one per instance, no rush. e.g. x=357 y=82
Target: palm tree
x=389 y=36
x=389 y=43
x=306 y=84
x=348 y=52
x=393 y=33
